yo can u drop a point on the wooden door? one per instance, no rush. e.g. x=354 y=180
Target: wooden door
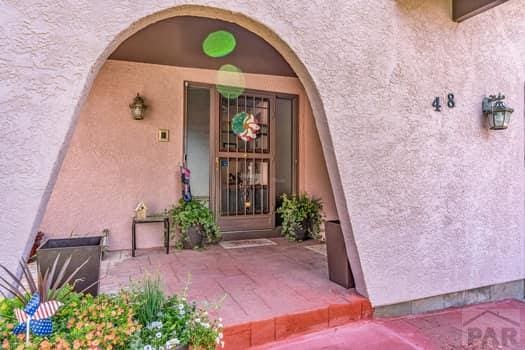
x=244 y=170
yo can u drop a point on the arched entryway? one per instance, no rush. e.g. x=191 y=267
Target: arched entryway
x=297 y=67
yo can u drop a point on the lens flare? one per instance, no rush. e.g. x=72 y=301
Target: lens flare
x=219 y=44
x=230 y=81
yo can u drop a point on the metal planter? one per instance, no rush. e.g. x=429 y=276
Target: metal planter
x=339 y=270
x=80 y=249
x=194 y=239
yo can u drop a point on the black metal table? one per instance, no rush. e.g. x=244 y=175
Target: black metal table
x=148 y=220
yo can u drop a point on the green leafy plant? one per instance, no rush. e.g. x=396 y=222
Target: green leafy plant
x=300 y=212
x=194 y=214
x=148 y=299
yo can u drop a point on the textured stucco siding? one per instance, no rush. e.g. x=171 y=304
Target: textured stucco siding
x=113 y=161
x=436 y=201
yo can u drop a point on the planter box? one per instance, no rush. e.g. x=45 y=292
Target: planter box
x=81 y=249
x=339 y=270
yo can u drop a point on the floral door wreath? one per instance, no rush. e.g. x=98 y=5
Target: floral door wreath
x=245 y=126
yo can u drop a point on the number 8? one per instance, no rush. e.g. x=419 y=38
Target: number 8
x=450 y=102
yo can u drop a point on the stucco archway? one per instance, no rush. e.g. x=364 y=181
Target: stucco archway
x=288 y=54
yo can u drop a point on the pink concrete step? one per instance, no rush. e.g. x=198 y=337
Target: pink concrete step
x=256 y=333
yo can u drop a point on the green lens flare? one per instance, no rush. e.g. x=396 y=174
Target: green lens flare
x=230 y=81
x=219 y=44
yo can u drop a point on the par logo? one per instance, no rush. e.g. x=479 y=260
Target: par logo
x=493 y=329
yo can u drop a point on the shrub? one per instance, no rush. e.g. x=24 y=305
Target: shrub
x=300 y=212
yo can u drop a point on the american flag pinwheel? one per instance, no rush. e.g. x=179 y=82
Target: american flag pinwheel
x=37 y=316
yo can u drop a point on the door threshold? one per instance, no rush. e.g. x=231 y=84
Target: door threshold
x=237 y=235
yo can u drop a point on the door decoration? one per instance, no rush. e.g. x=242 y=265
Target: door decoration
x=185 y=174
x=36 y=317
x=245 y=126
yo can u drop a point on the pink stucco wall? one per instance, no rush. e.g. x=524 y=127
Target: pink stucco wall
x=435 y=200
x=114 y=162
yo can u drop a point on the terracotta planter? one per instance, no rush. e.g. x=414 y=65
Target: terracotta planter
x=194 y=238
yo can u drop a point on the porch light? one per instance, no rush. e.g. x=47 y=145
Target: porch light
x=138 y=107
x=497 y=113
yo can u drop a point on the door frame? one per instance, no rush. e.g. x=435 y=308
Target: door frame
x=213 y=144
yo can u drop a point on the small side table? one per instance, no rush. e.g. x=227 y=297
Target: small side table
x=147 y=220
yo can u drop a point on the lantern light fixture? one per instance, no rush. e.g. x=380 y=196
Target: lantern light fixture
x=138 y=107
x=498 y=114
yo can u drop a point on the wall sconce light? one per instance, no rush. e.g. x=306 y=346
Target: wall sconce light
x=497 y=113
x=138 y=107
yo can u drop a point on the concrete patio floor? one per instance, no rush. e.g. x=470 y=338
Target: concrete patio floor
x=479 y=327
x=268 y=292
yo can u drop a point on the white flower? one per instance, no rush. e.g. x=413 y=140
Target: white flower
x=206 y=325
x=148 y=347
x=158 y=335
x=221 y=335
x=182 y=312
x=220 y=325
x=220 y=319
x=181 y=306
x=222 y=344
x=217 y=340
x=198 y=320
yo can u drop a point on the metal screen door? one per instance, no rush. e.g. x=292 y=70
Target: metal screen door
x=244 y=174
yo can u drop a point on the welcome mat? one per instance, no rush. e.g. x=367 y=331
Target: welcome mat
x=318 y=248
x=246 y=243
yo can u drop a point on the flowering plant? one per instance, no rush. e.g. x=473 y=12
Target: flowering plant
x=84 y=322
x=205 y=334
x=177 y=323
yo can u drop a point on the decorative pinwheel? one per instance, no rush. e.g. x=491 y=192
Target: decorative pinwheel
x=35 y=317
x=245 y=126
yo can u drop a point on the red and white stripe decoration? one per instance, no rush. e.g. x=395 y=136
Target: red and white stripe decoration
x=45 y=310
x=21 y=315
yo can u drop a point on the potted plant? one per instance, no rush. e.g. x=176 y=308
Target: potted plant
x=80 y=250
x=301 y=217
x=196 y=224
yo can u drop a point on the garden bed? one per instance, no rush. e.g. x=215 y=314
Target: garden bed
x=140 y=318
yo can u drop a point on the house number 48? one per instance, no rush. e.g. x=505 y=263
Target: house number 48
x=437 y=102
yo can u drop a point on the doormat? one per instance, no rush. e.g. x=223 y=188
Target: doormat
x=318 y=248
x=247 y=243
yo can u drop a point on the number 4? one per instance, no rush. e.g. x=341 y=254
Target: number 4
x=436 y=104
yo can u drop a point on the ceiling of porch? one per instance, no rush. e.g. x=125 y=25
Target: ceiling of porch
x=178 y=42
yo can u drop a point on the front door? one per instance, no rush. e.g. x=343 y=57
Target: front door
x=244 y=169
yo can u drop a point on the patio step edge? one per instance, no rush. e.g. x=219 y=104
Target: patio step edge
x=257 y=333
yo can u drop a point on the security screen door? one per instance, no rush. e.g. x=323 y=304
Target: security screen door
x=244 y=170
